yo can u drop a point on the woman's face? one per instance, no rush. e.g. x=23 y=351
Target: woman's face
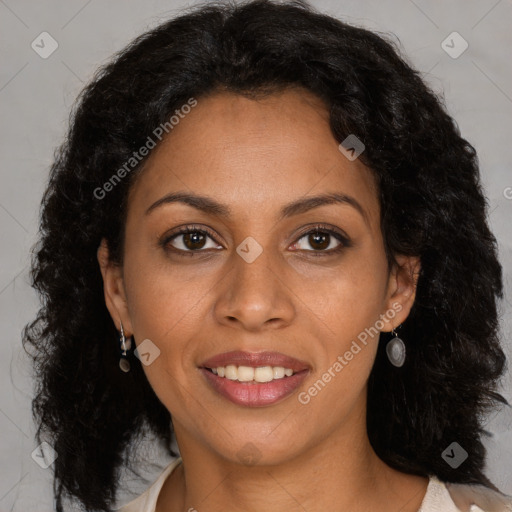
x=258 y=280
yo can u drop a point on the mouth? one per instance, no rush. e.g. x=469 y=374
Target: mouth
x=254 y=379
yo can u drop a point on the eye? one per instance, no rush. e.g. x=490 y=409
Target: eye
x=190 y=239
x=322 y=240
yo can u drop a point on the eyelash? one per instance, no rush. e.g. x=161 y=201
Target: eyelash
x=319 y=228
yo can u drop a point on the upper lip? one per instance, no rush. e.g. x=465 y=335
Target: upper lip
x=255 y=360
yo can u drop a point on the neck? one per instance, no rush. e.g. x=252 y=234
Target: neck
x=354 y=479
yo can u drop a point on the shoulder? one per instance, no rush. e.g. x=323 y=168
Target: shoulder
x=146 y=502
x=450 y=497
x=467 y=497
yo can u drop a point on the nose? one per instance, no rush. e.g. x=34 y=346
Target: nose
x=255 y=295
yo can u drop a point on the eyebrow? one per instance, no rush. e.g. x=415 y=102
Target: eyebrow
x=210 y=206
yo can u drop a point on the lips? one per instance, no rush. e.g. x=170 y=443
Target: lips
x=255 y=359
x=254 y=394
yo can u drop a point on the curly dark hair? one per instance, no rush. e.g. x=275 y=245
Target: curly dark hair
x=432 y=206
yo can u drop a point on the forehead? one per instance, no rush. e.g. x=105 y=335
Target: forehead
x=251 y=153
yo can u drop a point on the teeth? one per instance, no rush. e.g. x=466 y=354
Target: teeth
x=231 y=372
x=279 y=372
x=248 y=373
x=264 y=374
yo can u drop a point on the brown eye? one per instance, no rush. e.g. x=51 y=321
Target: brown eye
x=190 y=240
x=194 y=240
x=322 y=240
x=319 y=241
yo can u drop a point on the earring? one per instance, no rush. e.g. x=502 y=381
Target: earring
x=126 y=344
x=395 y=349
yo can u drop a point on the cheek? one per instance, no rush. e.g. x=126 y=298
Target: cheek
x=162 y=297
x=166 y=305
x=347 y=299
x=350 y=306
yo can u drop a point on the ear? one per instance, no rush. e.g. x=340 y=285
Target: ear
x=113 y=288
x=402 y=283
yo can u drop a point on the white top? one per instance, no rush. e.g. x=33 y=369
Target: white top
x=440 y=497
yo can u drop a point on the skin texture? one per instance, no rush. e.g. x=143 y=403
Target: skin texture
x=255 y=156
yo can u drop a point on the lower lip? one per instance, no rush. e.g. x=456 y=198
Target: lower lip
x=254 y=394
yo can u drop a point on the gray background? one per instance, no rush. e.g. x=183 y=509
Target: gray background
x=35 y=98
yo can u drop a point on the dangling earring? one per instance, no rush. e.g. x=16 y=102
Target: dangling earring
x=395 y=349
x=126 y=344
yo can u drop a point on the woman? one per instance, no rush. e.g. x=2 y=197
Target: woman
x=265 y=239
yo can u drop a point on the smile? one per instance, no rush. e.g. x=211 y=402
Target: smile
x=254 y=379
x=248 y=373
